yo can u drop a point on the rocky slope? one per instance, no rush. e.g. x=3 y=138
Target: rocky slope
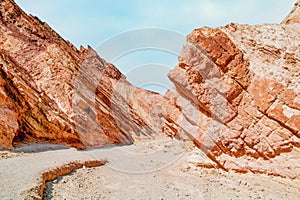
x=236 y=93
x=244 y=83
x=52 y=92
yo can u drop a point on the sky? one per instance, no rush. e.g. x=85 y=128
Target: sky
x=100 y=22
x=90 y=22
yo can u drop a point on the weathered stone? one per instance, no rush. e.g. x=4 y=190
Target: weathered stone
x=257 y=69
x=52 y=92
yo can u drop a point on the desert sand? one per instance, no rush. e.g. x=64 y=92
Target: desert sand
x=175 y=170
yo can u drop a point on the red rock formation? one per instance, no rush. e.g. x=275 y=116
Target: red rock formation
x=243 y=82
x=236 y=93
x=294 y=16
x=52 y=92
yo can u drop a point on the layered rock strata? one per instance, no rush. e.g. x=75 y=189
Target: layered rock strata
x=52 y=92
x=243 y=82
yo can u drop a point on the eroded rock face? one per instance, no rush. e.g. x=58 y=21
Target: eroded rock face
x=236 y=93
x=52 y=92
x=243 y=83
x=294 y=16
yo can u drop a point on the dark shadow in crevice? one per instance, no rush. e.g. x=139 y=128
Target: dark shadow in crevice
x=38 y=147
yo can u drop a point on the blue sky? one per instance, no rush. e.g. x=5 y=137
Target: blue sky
x=92 y=22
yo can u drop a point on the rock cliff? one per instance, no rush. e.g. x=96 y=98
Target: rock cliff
x=236 y=94
x=52 y=92
x=243 y=82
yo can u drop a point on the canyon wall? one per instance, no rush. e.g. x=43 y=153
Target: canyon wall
x=52 y=92
x=244 y=83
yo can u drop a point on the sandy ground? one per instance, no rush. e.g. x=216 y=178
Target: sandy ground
x=178 y=179
x=161 y=169
x=20 y=172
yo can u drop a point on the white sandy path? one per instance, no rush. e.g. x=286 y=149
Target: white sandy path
x=160 y=169
x=20 y=174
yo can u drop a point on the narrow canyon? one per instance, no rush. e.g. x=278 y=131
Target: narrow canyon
x=236 y=94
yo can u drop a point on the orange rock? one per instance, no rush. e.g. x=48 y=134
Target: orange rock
x=294 y=123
